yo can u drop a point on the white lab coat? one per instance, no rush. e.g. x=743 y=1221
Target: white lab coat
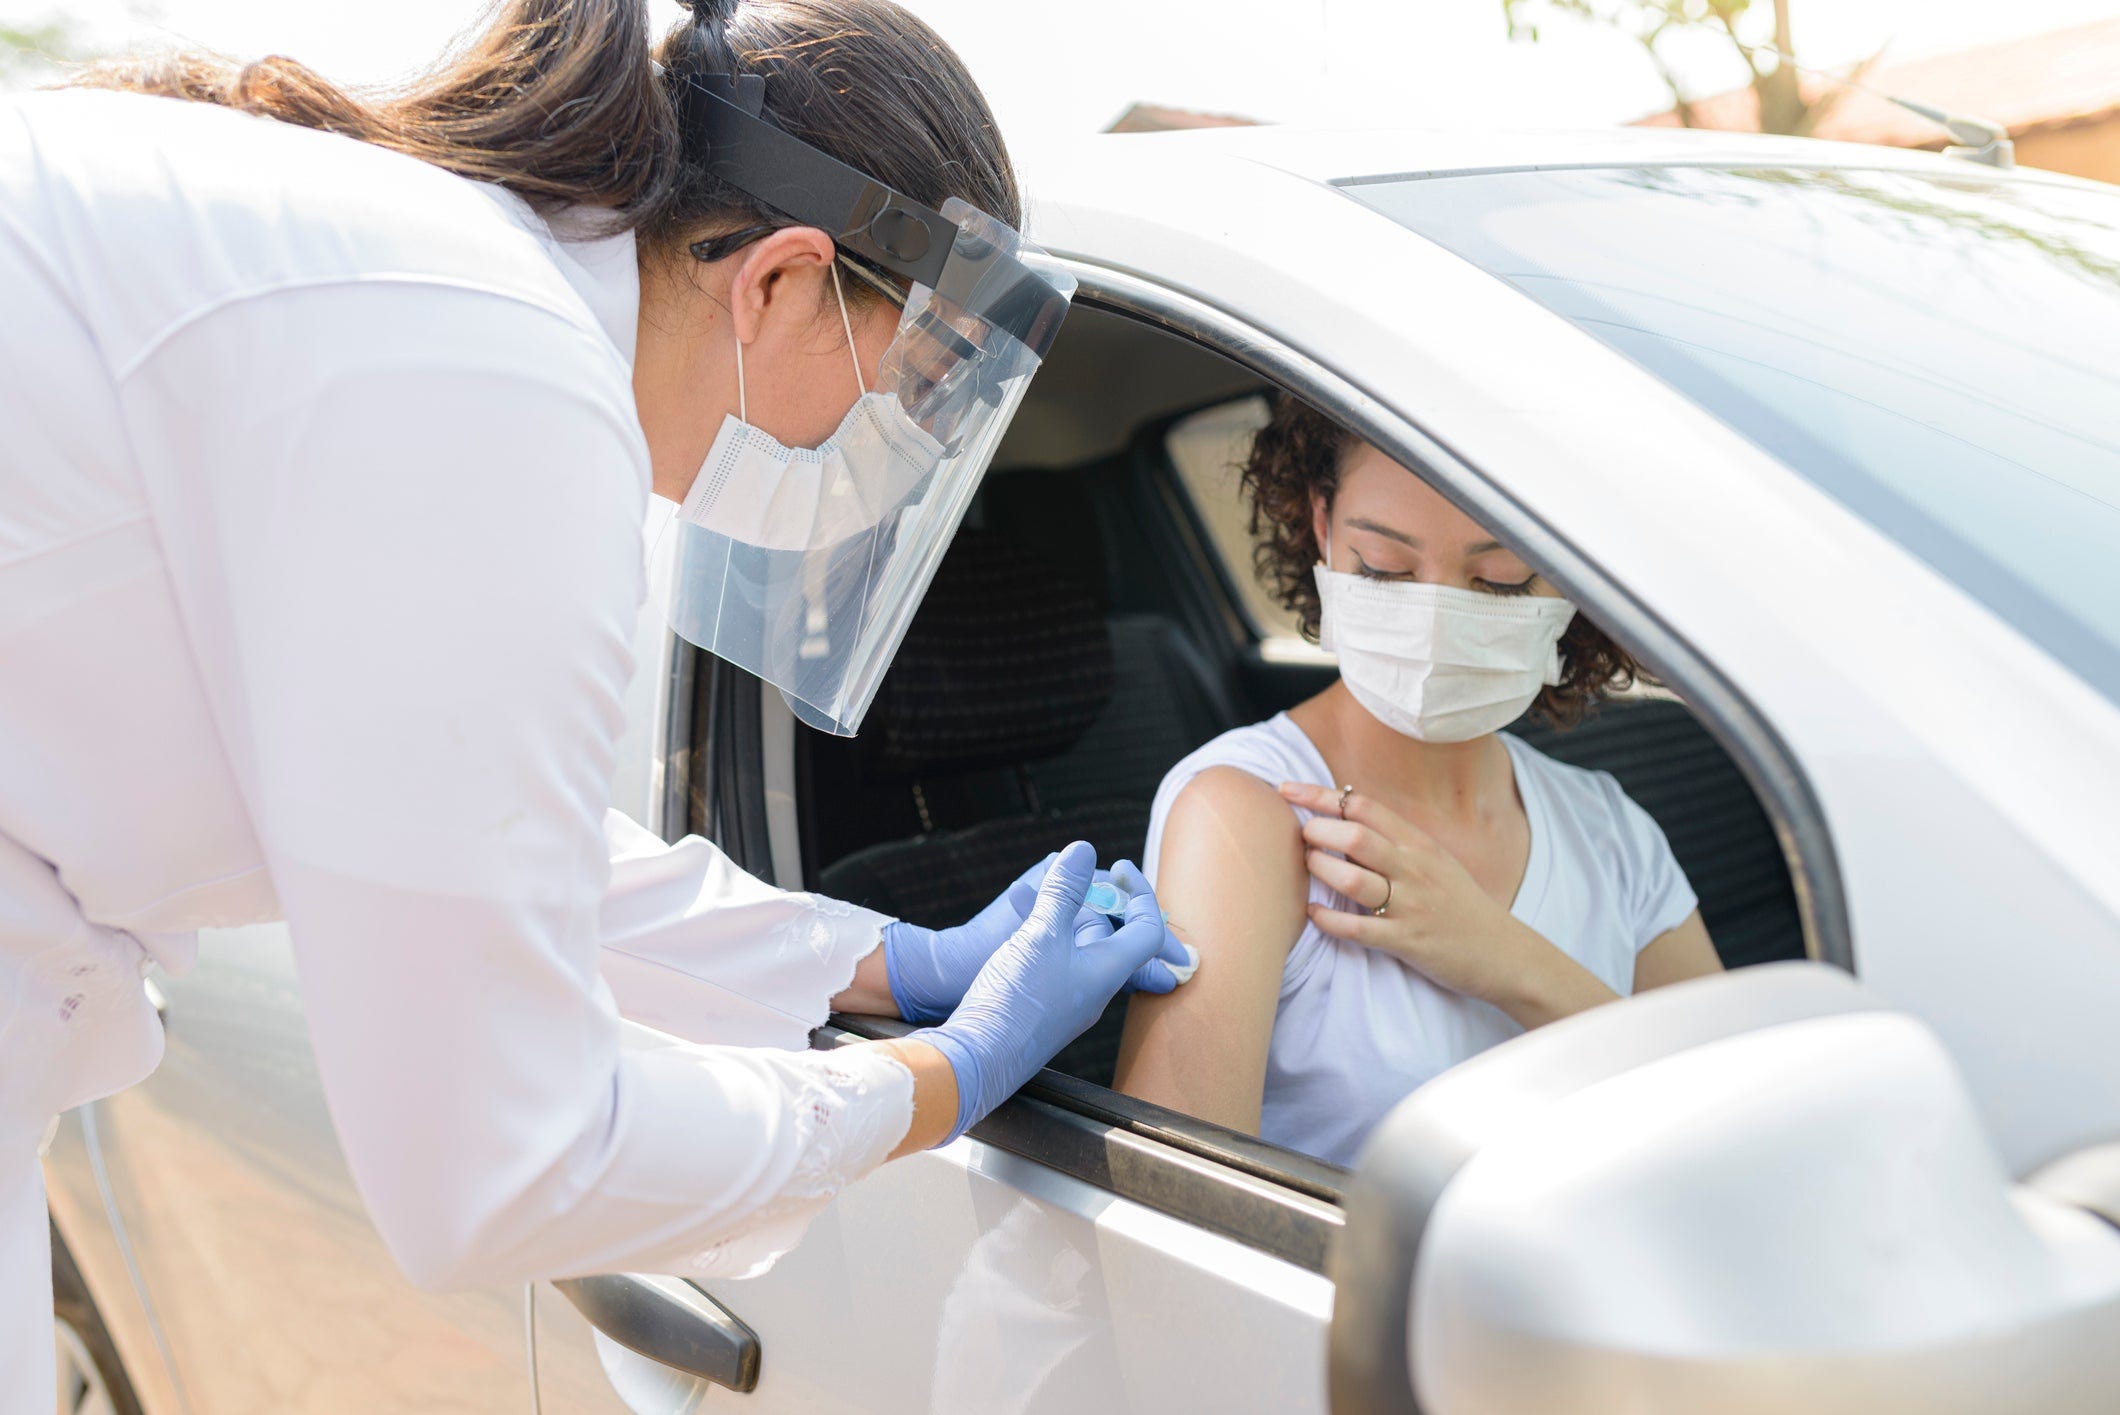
x=321 y=493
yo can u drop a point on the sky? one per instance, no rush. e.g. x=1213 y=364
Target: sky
x=1055 y=69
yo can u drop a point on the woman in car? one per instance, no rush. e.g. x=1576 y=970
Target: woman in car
x=1381 y=882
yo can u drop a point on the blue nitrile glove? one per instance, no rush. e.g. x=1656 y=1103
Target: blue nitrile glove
x=929 y=969
x=1043 y=987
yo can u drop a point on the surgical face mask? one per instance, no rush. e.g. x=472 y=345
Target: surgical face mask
x=756 y=490
x=1437 y=663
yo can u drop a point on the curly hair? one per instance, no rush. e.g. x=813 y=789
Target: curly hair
x=1298 y=454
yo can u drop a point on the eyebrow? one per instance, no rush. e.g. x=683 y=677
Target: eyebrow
x=1363 y=523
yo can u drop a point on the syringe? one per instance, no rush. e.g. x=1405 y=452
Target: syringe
x=1110 y=899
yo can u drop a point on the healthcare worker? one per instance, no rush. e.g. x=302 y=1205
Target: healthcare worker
x=327 y=428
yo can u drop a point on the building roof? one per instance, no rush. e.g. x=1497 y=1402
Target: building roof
x=2042 y=81
x=1155 y=118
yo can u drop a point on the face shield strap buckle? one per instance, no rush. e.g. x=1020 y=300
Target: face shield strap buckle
x=813 y=187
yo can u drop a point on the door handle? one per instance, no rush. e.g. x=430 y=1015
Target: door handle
x=671 y=1323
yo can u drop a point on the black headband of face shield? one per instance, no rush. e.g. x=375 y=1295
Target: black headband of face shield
x=863 y=215
x=814 y=187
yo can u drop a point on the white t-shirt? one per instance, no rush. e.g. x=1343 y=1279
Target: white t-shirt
x=1356 y=1029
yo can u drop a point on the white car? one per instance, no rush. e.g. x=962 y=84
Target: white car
x=1829 y=436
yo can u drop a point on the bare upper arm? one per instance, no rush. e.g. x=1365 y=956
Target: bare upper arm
x=1676 y=955
x=1230 y=874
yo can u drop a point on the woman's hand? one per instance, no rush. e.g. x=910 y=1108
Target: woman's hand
x=1426 y=909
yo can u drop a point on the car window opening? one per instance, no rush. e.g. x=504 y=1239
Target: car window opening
x=1111 y=542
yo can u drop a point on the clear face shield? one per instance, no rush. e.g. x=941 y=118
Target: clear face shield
x=804 y=566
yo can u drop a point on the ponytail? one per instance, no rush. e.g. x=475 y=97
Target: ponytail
x=557 y=101
x=552 y=99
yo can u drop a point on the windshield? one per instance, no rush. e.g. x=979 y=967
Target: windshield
x=1941 y=353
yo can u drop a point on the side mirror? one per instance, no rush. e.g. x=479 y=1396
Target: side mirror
x=1764 y=1191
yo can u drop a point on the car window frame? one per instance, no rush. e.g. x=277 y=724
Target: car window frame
x=1769 y=765
x=1269 y=1198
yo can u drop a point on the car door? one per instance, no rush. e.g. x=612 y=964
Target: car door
x=1076 y=1251
x=1767 y=1190
x=1051 y=1260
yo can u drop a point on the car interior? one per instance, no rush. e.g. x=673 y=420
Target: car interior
x=1088 y=628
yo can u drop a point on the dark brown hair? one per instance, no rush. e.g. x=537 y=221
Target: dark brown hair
x=1297 y=455
x=557 y=101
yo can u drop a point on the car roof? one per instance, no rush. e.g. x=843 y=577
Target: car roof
x=1157 y=201
x=1338 y=154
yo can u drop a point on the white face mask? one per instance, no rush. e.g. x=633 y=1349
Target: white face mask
x=1436 y=663
x=755 y=489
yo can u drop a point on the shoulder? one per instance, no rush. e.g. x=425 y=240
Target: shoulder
x=1581 y=791
x=1592 y=803
x=165 y=211
x=1591 y=820
x=1238 y=802
x=1224 y=797
x=1228 y=857
x=1262 y=751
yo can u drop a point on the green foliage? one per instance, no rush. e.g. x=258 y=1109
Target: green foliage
x=32 y=52
x=1759 y=34
x=1645 y=20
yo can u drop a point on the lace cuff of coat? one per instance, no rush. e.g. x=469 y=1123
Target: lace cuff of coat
x=696 y=948
x=854 y=1106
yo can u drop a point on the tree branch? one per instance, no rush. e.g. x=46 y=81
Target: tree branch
x=1728 y=17
x=1688 y=115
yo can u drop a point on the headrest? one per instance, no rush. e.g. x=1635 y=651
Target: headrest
x=1007 y=661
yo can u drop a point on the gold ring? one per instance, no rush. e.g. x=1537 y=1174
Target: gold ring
x=1345 y=792
x=1378 y=912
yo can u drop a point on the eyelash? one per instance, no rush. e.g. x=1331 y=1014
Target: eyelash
x=1362 y=568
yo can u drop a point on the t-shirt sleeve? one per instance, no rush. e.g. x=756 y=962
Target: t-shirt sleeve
x=1657 y=894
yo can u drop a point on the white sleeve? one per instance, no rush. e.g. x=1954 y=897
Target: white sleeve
x=1659 y=898
x=403 y=521
x=695 y=947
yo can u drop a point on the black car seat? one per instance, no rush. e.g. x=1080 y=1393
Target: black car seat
x=997 y=737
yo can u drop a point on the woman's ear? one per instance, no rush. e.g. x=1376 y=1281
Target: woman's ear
x=773 y=280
